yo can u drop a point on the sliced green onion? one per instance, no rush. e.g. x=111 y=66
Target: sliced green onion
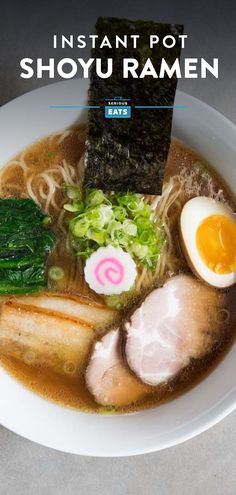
x=146 y=211
x=143 y=224
x=56 y=273
x=72 y=192
x=79 y=226
x=135 y=207
x=106 y=212
x=75 y=207
x=97 y=235
x=94 y=197
x=117 y=219
x=107 y=410
x=119 y=213
x=130 y=228
x=139 y=250
x=47 y=220
x=147 y=237
x=114 y=227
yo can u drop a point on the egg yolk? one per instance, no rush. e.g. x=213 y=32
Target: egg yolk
x=216 y=243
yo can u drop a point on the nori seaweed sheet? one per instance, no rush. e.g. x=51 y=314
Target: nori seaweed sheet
x=130 y=154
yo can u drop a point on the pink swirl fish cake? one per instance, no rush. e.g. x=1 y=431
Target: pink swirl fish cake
x=110 y=270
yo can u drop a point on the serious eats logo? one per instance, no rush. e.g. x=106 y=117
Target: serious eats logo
x=117 y=108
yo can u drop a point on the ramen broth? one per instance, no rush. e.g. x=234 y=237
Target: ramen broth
x=40 y=172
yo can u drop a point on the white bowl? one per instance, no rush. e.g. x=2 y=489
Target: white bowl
x=27 y=119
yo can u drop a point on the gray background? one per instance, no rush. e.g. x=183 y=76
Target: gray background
x=208 y=462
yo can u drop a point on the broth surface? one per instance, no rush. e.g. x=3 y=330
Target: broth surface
x=61 y=154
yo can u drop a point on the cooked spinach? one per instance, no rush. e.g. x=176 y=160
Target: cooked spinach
x=25 y=242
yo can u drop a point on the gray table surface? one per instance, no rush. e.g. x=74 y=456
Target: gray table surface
x=208 y=462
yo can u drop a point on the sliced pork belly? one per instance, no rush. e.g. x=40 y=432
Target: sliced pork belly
x=73 y=306
x=107 y=377
x=40 y=336
x=177 y=322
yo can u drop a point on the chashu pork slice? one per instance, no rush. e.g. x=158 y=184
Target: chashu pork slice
x=38 y=335
x=71 y=305
x=184 y=319
x=108 y=378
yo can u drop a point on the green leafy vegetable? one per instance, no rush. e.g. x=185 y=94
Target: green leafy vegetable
x=117 y=219
x=24 y=244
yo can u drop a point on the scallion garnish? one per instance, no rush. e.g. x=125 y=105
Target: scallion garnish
x=56 y=273
x=118 y=219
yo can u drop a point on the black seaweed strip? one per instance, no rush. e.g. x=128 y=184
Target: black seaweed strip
x=130 y=154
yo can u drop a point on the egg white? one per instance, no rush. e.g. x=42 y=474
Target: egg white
x=193 y=213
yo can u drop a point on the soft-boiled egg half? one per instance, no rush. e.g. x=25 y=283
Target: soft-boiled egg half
x=208 y=235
